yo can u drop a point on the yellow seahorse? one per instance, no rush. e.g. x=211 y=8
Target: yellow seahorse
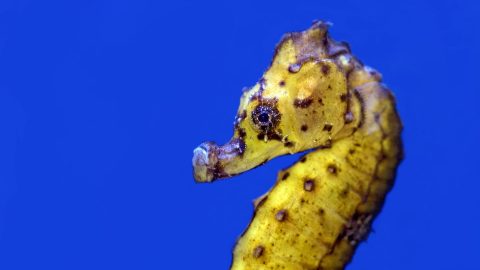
x=315 y=95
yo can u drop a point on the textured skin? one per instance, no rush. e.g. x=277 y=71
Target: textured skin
x=315 y=95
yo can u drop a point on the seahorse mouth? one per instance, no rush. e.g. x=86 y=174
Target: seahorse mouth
x=209 y=159
x=204 y=162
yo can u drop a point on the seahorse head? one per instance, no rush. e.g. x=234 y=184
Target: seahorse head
x=301 y=102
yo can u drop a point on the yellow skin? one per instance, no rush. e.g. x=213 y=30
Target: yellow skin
x=315 y=95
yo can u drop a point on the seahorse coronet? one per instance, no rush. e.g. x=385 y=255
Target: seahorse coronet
x=315 y=95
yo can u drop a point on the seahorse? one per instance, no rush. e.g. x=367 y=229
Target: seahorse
x=314 y=96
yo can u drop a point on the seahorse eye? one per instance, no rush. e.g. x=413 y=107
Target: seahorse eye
x=265 y=117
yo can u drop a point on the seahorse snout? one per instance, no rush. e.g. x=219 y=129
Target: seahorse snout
x=204 y=161
x=211 y=162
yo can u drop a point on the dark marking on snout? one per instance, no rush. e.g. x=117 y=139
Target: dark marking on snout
x=285 y=176
x=238 y=145
x=303 y=159
x=241 y=146
x=281 y=83
x=214 y=168
x=218 y=172
x=304 y=128
x=302 y=103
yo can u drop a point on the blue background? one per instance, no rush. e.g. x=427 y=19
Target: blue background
x=102 y=103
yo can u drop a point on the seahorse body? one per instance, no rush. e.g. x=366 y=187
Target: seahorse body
x=315 y=95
